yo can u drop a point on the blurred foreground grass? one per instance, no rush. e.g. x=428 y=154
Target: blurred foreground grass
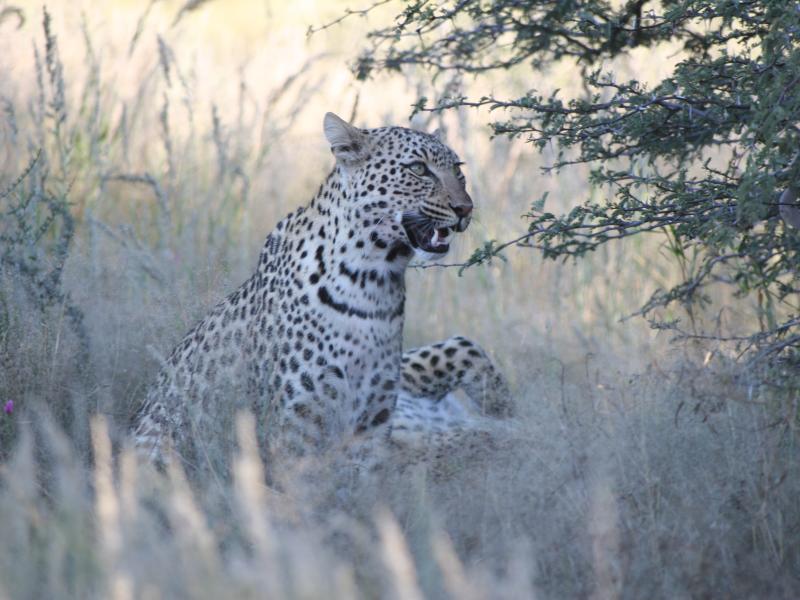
x=157 y=155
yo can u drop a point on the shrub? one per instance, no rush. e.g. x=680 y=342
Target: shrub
x=700 y=157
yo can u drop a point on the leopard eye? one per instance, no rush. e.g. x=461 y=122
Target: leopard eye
x=418 y=168
x=457 y=168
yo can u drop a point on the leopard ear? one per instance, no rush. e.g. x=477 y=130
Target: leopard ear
x=348 y=143
x=438 y=133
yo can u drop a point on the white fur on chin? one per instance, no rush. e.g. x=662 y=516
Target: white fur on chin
x=429 y=256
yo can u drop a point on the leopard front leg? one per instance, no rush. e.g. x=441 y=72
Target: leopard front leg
x=435 y=370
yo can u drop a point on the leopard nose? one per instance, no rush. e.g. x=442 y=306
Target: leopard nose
x=462 y=210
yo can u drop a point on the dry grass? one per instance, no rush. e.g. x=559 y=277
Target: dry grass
x=637 y=469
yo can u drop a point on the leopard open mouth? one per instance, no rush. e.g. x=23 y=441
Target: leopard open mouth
x=423 y=235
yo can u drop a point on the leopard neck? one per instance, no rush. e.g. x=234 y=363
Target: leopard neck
x=341 y=262
x=364 y=235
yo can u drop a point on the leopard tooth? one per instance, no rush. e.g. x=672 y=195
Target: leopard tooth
x=435 y=238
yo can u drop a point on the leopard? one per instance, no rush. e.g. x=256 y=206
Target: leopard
x=314 y=337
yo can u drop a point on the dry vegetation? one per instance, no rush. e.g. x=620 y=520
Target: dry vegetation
x=141 y=164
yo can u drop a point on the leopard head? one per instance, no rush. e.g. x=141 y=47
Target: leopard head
x=406 y=186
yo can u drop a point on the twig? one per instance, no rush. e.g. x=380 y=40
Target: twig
x=348 y=12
